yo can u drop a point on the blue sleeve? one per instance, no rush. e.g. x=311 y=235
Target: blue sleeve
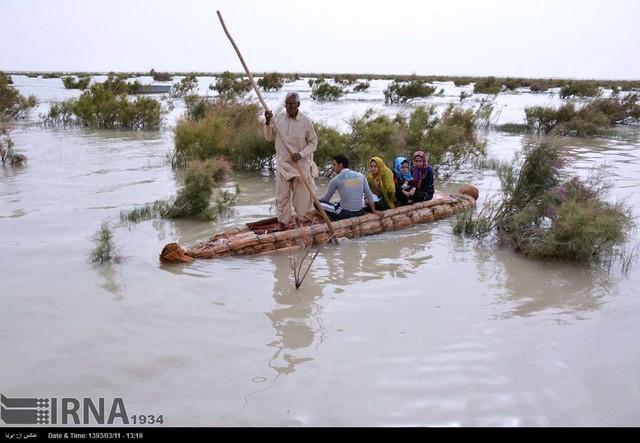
x=331 y=189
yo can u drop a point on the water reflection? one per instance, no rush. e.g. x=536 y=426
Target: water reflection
x=296 y=318
x=112 y=280
x=391 y=254
x=532 y=287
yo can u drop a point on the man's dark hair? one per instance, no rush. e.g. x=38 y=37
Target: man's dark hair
x=341 y=159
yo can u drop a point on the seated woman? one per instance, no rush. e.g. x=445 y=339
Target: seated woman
x=422 y=179
x=380 y=179
x=402 y=178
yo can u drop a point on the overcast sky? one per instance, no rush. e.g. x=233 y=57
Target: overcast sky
x=542 y=38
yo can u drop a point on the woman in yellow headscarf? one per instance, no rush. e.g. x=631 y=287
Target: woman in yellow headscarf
x=380 y=180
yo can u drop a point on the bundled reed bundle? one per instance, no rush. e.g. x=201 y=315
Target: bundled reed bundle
x=255 y=238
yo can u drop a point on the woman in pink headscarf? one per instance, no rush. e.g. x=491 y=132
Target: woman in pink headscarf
x=422 y=179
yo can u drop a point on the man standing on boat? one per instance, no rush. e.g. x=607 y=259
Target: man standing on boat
x=352 y=187
x=296 y=141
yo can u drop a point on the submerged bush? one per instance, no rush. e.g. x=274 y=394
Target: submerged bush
x=231 y=86
x=462 y=81
x=106 y=105
x=323 y=91
x=106 y=250
x=544 y=213
x=579 y=88
x=454 y=139
x=539 y=87
x=449 y=139
x=271 y=82
x=160 y=76
x=361 y=86
x=215 y=128
x=72 y=83
x=487 y=85
x=345 y=79
x=13 y=104
x=407 y=91
x=200 y=180
x=184 y=87
x=593 y=118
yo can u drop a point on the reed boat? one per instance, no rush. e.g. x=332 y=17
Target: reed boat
x=262 y=237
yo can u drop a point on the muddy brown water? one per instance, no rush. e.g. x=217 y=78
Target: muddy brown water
x=413 y=328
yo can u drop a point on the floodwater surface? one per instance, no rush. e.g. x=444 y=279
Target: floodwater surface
x=418 y=329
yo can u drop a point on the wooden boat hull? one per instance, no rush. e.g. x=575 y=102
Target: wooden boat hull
x=261 y=237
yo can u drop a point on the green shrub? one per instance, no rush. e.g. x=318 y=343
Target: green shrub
x=80 y=83
x=546 y=213
x=594 y=118
x=231 y=86
x=201 y=139
x=539 y=87
x=462 y=81
x=106 y=105
x=406 y=92
x=106 y=250
x=422 y=120
x=197 y=106
x=512 y=128
x=323 y=91
x=60 y=114
x=345 y=79
x=512 y=84
x=215 y=128
x=184 y=87
x=195 y=197
x=361 y=86
x=12 y=103
x=160 y=76
x=330 y=143
x=450 y=139
x=454 y=139
x=543 y=119
x=464 y=95
x=579 y=88
x=487 y=85
x=271 y=82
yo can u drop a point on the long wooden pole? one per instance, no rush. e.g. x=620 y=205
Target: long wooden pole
x=303 y=179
